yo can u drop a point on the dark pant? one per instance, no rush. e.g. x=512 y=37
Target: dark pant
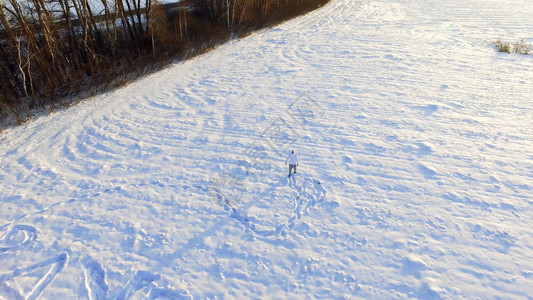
x=292 y=167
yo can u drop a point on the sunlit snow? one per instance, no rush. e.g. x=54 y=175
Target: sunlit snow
x=416 y=176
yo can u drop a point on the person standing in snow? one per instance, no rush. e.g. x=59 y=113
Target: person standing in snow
x=293 y=162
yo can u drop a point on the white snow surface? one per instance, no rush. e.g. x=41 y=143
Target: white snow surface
x=416 y=176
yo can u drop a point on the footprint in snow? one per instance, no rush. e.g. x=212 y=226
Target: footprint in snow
x=94 y=279
x=427 y=110
x=413 y=266
x=17 y=237
x=427 y=172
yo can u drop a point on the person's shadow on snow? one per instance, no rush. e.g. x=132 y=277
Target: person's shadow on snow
x=291 y=180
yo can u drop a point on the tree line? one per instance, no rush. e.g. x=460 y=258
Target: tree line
x=52 y=50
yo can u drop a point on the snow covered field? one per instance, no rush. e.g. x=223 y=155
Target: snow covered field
x=416 y=176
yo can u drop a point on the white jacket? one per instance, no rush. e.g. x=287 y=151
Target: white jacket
x=292 y=159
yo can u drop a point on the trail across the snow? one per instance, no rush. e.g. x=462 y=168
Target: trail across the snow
x=416 y=176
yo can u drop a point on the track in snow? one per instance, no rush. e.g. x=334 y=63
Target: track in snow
x=418 y=130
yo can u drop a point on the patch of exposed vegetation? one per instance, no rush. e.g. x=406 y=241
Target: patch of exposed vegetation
x=519 y=47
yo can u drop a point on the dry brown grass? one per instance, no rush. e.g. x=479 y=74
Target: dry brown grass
x=519 y=47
